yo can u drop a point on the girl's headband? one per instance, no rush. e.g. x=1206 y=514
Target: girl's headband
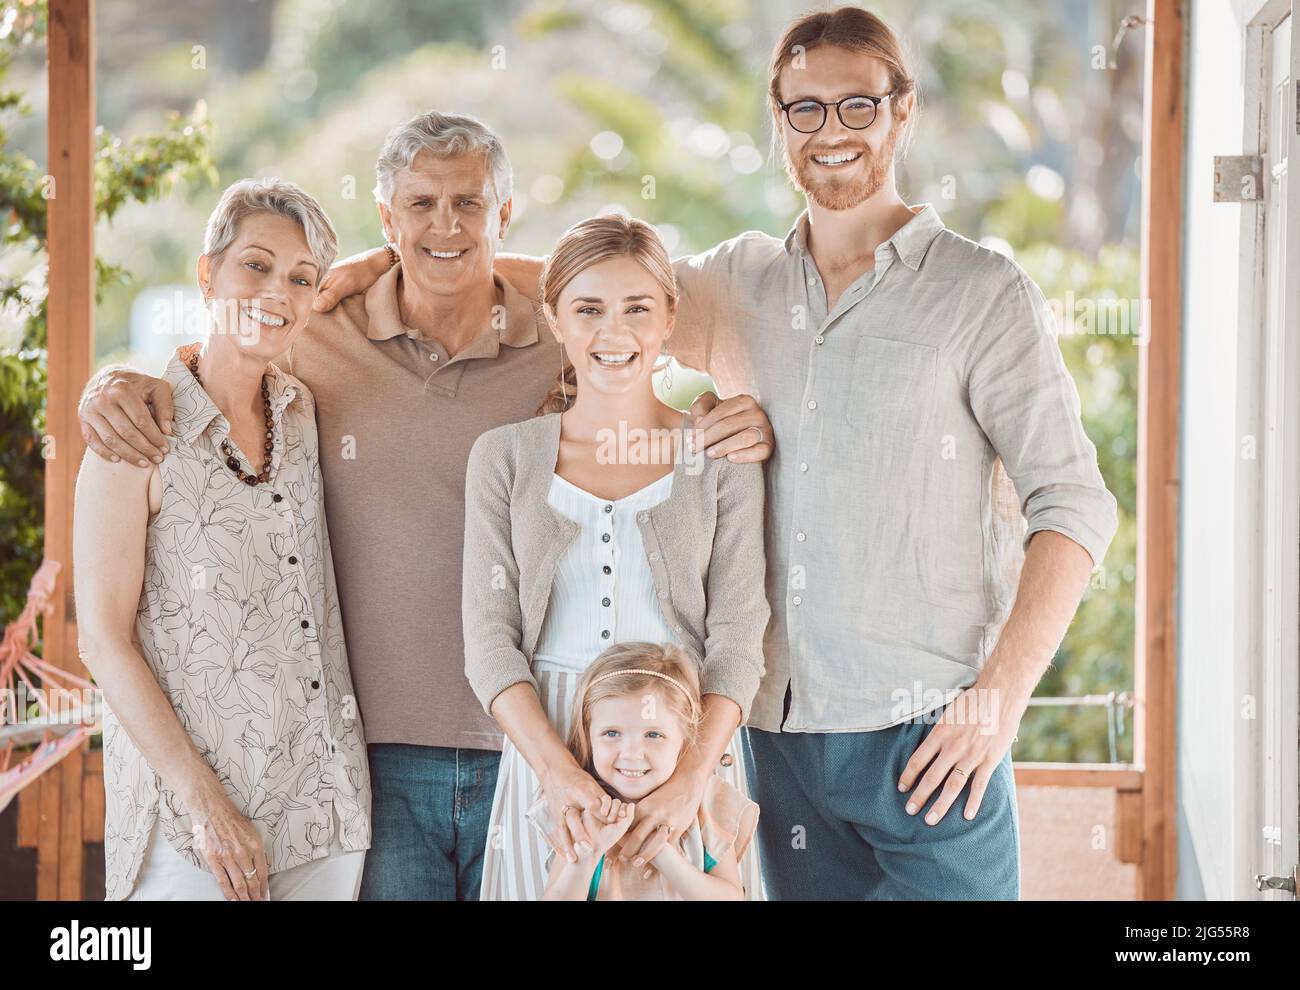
x=650 y=673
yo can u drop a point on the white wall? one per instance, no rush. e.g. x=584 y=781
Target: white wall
x=1214 y=744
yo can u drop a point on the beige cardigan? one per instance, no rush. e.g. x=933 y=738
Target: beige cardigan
x=704 y=544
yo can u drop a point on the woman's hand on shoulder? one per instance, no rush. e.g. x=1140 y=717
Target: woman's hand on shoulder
x=570 y=793
x=350 y=276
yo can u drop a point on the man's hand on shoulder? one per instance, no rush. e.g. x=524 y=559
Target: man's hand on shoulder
x=735 y=428
x=124 y=415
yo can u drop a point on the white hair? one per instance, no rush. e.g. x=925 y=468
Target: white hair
x=445 y=135
x=248 y=196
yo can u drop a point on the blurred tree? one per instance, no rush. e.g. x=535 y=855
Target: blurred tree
x=143 y=169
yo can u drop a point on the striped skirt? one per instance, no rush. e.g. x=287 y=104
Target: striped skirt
x=514 y=864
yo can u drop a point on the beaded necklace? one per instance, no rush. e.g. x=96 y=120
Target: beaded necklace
x=232 y=461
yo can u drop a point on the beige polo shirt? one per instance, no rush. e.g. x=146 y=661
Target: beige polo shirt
x=397 y=418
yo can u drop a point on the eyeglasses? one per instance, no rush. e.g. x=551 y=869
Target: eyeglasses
x=855 y=112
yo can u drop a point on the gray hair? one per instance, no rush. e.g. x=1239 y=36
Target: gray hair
x=445 y=135
x=248 y=196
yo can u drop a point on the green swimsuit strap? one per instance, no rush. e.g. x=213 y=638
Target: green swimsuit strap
x=595 y=879
x=709 y=864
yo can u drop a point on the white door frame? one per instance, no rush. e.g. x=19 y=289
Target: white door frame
x=1267 y=489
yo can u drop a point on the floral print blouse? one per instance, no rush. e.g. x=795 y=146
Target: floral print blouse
x=239 y=621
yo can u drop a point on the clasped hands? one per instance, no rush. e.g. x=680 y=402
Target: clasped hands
x=589 y=822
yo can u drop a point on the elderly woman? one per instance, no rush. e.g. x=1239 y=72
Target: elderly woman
x=234 y=761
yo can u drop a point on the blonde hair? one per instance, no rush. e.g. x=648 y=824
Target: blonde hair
x=852 y=29
x=588 y=243
x=637 y=668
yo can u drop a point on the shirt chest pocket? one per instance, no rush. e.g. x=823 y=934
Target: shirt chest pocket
x=893 y=388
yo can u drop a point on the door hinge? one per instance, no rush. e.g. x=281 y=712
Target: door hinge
x=1238 y=178
x=1288 y=884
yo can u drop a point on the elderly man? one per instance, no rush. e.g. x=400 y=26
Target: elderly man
x=406 y=377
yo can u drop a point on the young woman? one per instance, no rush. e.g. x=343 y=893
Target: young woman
x=593 y=525
x=234 y=762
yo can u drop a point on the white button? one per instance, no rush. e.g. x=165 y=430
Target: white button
x=797 y=600
x=677 y=628
x=812 y=281
x=803 y=466
x=654 y=556
x=433 y=357
x=663 y=594
x=642 y=516
x=801 y=536
x=812 y=403
x=820 y=339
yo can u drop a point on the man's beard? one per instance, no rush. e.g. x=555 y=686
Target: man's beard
x=834 y=193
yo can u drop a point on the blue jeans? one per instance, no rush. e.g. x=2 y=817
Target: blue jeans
x=429 y=810
x=832 y=824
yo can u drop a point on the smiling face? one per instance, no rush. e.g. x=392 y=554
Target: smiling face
x=445 y=221
x=636 y=740
x=261 y=288
x=613 y=319
x=837 y=167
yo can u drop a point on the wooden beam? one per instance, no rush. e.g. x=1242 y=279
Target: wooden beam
x=1159 y=392
x=1116 y=776
x=1128 y=827
x=71 y=67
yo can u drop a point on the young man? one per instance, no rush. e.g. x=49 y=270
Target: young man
x=934 y=505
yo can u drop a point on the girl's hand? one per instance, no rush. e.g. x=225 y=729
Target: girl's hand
x=605 y=835
x=232 y=848
x=571 y=792
x=662 y=816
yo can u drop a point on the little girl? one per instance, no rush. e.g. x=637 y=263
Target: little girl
x=636 y=711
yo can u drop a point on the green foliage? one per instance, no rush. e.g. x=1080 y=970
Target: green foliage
x=22 y=382
x=1097 y=655
x=137 y=171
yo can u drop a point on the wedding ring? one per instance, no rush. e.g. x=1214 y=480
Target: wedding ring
x=761 y=437
x=250 y=873
x=960 y=771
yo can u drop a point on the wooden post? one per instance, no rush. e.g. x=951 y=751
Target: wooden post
x=1158 y=434
x=71 y=66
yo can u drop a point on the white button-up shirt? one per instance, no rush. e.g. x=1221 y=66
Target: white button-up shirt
x=926 y=427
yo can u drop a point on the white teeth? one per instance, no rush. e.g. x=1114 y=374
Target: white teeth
x=263 y=317
x=836 y=159
x=633 y=773
x=444 y=254
x=615 y=359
